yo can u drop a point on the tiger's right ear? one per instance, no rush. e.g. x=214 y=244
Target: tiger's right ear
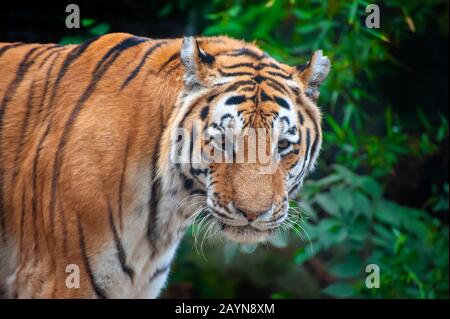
x=314 y=73
x=196 y=63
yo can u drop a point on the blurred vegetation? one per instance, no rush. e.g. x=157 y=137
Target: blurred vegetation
x=381 y=193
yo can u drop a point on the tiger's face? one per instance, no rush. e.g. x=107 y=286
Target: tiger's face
x=251 y=134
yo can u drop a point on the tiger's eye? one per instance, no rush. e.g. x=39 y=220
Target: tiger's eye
x=283 y=144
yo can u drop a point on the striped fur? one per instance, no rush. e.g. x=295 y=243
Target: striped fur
x=85 y=171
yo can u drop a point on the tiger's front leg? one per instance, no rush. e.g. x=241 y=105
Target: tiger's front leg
x=84 y=265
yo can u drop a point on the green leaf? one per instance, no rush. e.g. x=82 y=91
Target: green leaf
x=362 y=204
x=329 y=180
x=350 y=177
x=87 y=22
x=335 y=126
x=370 y=186
x=388 y=213
x=327 y=202
x=72 y=40
x=351 y=267
x=100 y=29
x=282 y=295
x=328 y=224
x=352 y=12
x=344 y=198
x=304 y=253
x=339 y=290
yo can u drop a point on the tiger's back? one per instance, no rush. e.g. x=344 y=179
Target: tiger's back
x=65 y=165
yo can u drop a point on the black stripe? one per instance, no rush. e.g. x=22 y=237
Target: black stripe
x=22 y=222
x=204 y=112
x=301 y=118
x=100 y=293
x=55 y=51
x=64 y=228
x=237 y=85
x=239 y=65
x=234 y=100
x=119 y=247
x=299 y=141
x=102 y=67
x=9 y=93
x=173 y=57
x=198 y=192
x=205 y=57
x=282 y=102
x=271 y=65
x=265 y=97
x=154 y=191
x=47 y=81
x=153 y=209
x=136 y=70
x=23 y=130
x=224 y=216
x=188 y=183
x=316 y=139
x=115 y=51
x=274 y=84
x=158 y=272
x=247 y=89
x=294 y=164
x=9 y=46
x=34 y=183
x=307 y=152
x=296 y=91
x=293 y=188
x=246 y=52
x=286 y=77
x=71 y=58
x=286 y=119
x=235 y=73
x=122 y=181
x=260 y=66
x=173 y=67
x=192 y=170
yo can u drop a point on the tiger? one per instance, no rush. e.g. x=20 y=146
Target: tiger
x=89 y=182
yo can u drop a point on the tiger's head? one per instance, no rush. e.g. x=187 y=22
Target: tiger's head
x=246 y=131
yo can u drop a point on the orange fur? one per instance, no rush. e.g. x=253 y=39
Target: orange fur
x=79 y=150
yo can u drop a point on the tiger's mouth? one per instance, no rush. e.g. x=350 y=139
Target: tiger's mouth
x=245 y=234
x=243 y=231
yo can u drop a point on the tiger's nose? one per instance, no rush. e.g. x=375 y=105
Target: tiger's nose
x=249 y=215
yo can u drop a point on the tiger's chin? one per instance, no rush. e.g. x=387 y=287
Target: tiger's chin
x=245 y=234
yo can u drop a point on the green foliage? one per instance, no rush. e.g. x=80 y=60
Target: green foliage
x=348 y=223
x=409 y=246
x=90 y=28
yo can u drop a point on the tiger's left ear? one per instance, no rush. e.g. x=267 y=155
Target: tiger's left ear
x=196 y=63
x=314 y=73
